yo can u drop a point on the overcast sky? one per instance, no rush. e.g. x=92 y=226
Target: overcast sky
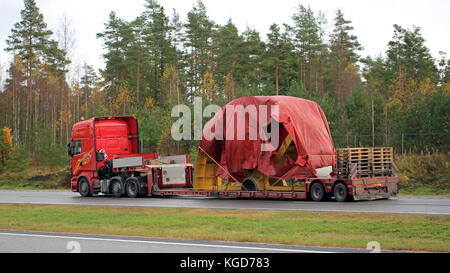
x=373 y=20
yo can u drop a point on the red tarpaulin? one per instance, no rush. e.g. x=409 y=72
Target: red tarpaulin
x=302 y=119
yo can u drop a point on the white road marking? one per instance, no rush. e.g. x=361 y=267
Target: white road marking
x=161 y=243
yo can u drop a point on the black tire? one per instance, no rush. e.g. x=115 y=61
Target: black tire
x=249 y=185
x=132 y=188
x=84 y=188
x=116 y=188
x=340 y=192
x=317 y=192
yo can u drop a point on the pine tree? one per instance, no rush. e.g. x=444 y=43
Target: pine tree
x=408 y=54
x=117 y=70
x=138 y=52
x=278 y=61
x=156 y=37
x=87 y=84
x=343 y=47
x=228 y=53
x=198 y=41
x=253 y=51
x=308 y=43
x=30 y=40
x=444 y=69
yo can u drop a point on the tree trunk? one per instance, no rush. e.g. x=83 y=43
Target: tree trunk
x=30 y=90
x=373 y=121
x=18 y=139
x=53 y=118
x=276 y=79
x=86 y=100
x=321 y=77
x=14 y=107
x=301 y=69
x=138 y=76
x=310 y=76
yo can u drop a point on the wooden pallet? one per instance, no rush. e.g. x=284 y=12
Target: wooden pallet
x=375 y=161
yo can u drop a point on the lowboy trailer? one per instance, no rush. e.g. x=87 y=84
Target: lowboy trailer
x=105 y=158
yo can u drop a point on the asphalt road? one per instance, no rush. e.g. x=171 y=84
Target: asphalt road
x=49 y=242
x=404 y=205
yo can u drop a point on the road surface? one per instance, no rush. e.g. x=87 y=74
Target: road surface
x=49 y=242
x=404 y=205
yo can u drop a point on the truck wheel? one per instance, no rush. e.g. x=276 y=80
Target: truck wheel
x=340 y=192
x=116 y=188
x=84 y=188
x=132 y=188
x=317 y=192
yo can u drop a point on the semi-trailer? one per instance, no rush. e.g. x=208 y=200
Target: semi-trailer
x=105 y=158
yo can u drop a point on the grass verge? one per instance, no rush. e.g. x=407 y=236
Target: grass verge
x=424 y=191
x=36 y=178
x=354 y=230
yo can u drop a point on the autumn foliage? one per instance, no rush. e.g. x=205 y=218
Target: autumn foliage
x=156 y=61
x=6 y=144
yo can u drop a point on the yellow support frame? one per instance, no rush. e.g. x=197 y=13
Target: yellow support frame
x=206 y=169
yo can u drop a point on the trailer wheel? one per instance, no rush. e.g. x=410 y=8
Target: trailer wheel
x=132 y=188
x=340 y=192
x=116 y=188
x=317 y=192
x=84 y=188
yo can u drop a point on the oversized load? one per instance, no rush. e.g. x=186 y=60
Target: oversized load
x=304 y=145
x=299 y=163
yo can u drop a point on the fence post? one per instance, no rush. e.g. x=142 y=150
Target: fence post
x=355 y=142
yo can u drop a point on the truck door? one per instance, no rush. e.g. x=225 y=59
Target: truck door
x=81 y=156
x=82 y=149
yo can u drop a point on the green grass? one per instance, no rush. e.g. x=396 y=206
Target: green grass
x=355 y=230
x=424 y=173
x=36 y=178
x=424 y=191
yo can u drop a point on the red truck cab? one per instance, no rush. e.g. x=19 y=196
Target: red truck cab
x=105 y=153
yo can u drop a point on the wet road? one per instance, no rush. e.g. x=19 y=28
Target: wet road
x=404 y=205
x=51 y=242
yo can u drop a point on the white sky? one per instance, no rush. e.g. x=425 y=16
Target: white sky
x=373 y=20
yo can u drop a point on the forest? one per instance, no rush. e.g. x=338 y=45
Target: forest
x=400 y=98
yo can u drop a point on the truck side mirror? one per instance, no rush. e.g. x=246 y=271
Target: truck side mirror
x=69 y=149
x=99 y=156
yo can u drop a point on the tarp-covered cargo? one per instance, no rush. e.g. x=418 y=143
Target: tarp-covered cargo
x=302 y=120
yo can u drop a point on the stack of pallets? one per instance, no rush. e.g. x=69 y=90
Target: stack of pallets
x=382 y=159
x=347 y=156
x=371 y=161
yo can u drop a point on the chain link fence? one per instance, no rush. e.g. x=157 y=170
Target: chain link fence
x=402 y=143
